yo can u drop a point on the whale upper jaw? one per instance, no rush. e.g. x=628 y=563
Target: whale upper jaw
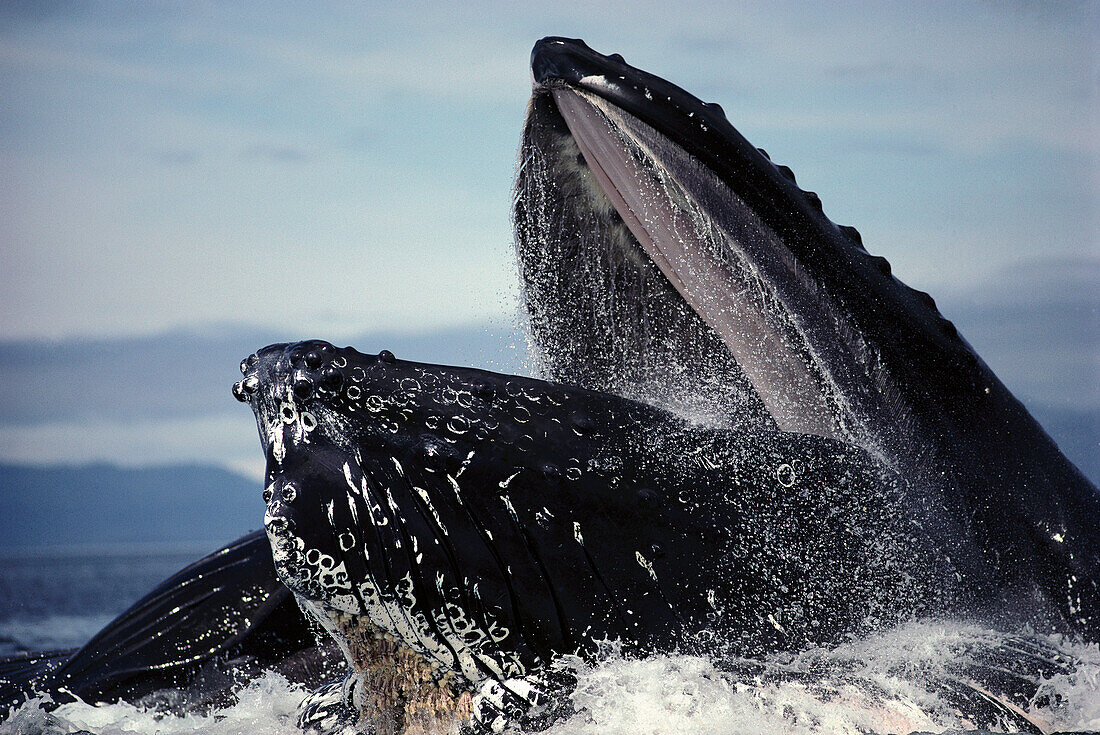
x=690 y=212
x=666 y=258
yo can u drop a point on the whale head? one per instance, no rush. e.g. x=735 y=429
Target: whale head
x=462 y=527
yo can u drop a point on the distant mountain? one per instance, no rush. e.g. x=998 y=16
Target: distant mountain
x=164 y=398
x=104 y=504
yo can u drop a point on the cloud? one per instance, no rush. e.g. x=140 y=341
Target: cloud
x=275 y=153
x=166 y=167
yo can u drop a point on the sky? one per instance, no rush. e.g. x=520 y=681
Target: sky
x=339 y=170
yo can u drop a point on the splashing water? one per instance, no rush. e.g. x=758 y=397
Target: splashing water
x=864 y=686
x=266 y=705
x=854 y=689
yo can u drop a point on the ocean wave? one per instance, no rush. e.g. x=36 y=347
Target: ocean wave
x=870 y=685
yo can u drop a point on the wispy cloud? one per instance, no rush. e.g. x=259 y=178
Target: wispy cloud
x=350 y=164
x=276 y=153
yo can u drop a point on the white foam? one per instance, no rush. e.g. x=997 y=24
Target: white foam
x=850 y=691
x=846 y=691
x=268 y=705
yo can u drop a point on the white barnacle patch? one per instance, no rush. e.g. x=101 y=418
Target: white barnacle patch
x=354 y=510
x=511 y=508
x=431 y=508
x=276 y=440
x=577 y=533
x=308 y=421
x=377 y=516
x=458 y=490
x=347 y=478
x=508 y=480
x=645 y=564
x=465 y=464
x=497 y=632
x=288 y=412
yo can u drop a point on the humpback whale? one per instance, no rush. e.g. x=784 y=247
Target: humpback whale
x=754 y=433
x=656 y=242
x=750 y=437
x=487 y=523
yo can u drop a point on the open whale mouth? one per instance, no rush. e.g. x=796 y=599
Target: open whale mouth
x=483 y=524
x=665 y=258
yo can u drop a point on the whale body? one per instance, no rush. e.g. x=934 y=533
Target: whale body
x=749 y=437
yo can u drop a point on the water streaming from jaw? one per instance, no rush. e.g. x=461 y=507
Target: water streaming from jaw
x=646 y=276
x=600 y=313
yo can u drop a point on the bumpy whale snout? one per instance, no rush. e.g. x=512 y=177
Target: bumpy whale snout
x=304 y=370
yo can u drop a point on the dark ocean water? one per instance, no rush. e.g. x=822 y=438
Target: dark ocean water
x=58 y=598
